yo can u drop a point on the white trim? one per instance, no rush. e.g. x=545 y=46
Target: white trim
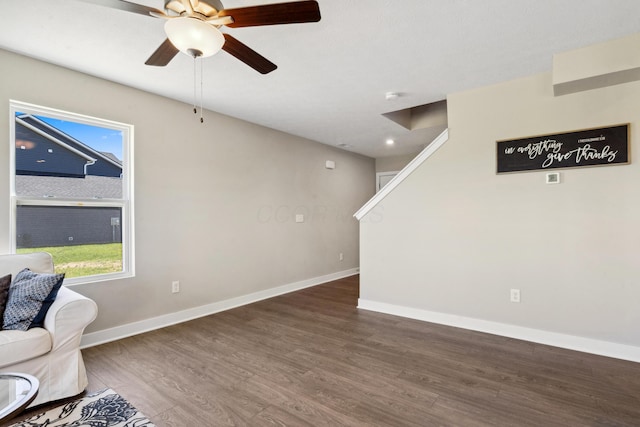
x=25 y=107
x=107 y=335
x=413 y=165
x=571 y=342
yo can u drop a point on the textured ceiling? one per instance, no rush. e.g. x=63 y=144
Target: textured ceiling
x=333 y=75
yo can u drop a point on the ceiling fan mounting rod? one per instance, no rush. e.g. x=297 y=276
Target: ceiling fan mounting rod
x=188 y=7
x=197 y=4
x=191 y=7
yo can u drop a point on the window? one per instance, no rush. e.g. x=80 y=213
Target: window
x=71 y=191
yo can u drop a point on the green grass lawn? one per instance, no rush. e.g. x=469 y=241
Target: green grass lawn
x=84 y=260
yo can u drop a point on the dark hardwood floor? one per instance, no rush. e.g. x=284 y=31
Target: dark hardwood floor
x=310 y=358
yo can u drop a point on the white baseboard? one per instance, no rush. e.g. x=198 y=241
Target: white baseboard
x=112 y=334
x=571 y=342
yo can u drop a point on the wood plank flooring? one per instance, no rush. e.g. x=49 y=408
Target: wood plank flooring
x=310 y=358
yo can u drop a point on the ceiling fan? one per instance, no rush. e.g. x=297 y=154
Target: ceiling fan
x=193 y=27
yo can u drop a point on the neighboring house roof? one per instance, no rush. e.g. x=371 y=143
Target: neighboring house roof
x=105 y=182
x=65 y=140
x=112 y=157
x=101 y=187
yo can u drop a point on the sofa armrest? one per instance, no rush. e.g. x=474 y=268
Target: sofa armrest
x=67 y=317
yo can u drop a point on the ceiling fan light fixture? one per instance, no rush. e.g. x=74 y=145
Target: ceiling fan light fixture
x=193 y=36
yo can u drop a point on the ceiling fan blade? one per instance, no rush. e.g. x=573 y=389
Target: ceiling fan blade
x=274 y=14
x=247 y=55
x=163 y=55
x=126 y=6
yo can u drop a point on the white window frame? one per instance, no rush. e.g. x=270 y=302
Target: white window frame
x=126 y=203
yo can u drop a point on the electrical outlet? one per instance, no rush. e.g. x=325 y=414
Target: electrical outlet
x=175 y=287
x=341 y=256
x=515 y=295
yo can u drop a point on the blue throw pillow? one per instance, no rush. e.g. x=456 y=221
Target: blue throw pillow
x=30 y=296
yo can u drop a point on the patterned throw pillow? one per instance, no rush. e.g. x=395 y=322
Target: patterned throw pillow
x=30 y=296
x=5 y=282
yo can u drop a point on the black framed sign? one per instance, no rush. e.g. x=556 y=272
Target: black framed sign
x=590 y=147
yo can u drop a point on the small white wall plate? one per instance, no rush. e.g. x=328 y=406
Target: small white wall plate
x=553 y=178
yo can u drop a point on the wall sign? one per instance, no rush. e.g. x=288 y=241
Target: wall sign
x=591 y=147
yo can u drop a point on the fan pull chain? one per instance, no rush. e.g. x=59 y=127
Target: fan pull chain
x=195 y=90
x=194 y=85
x=201 y=91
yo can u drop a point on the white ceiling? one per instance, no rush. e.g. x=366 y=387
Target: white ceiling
x=333 y=75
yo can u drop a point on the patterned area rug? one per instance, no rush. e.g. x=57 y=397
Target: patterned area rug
x=102 y=409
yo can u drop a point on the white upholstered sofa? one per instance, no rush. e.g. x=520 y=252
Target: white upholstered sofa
x=51 y=354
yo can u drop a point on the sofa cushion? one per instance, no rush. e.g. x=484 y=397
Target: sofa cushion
x=5 y=282
x=17 y=346
x=30 y=296
x=40 y=262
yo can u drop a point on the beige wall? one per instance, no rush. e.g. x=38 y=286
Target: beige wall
x=454 y=237
x=214 y=202
x=394 y=163
x=605 y=64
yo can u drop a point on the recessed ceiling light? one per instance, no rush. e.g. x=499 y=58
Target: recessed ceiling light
x=391 y=95
x=344 y=145
x=390 y=141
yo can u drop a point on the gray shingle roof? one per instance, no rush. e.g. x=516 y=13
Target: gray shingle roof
x=88 y=187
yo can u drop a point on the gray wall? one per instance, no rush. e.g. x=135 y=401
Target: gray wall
x=452 y=239
x=214 y=202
